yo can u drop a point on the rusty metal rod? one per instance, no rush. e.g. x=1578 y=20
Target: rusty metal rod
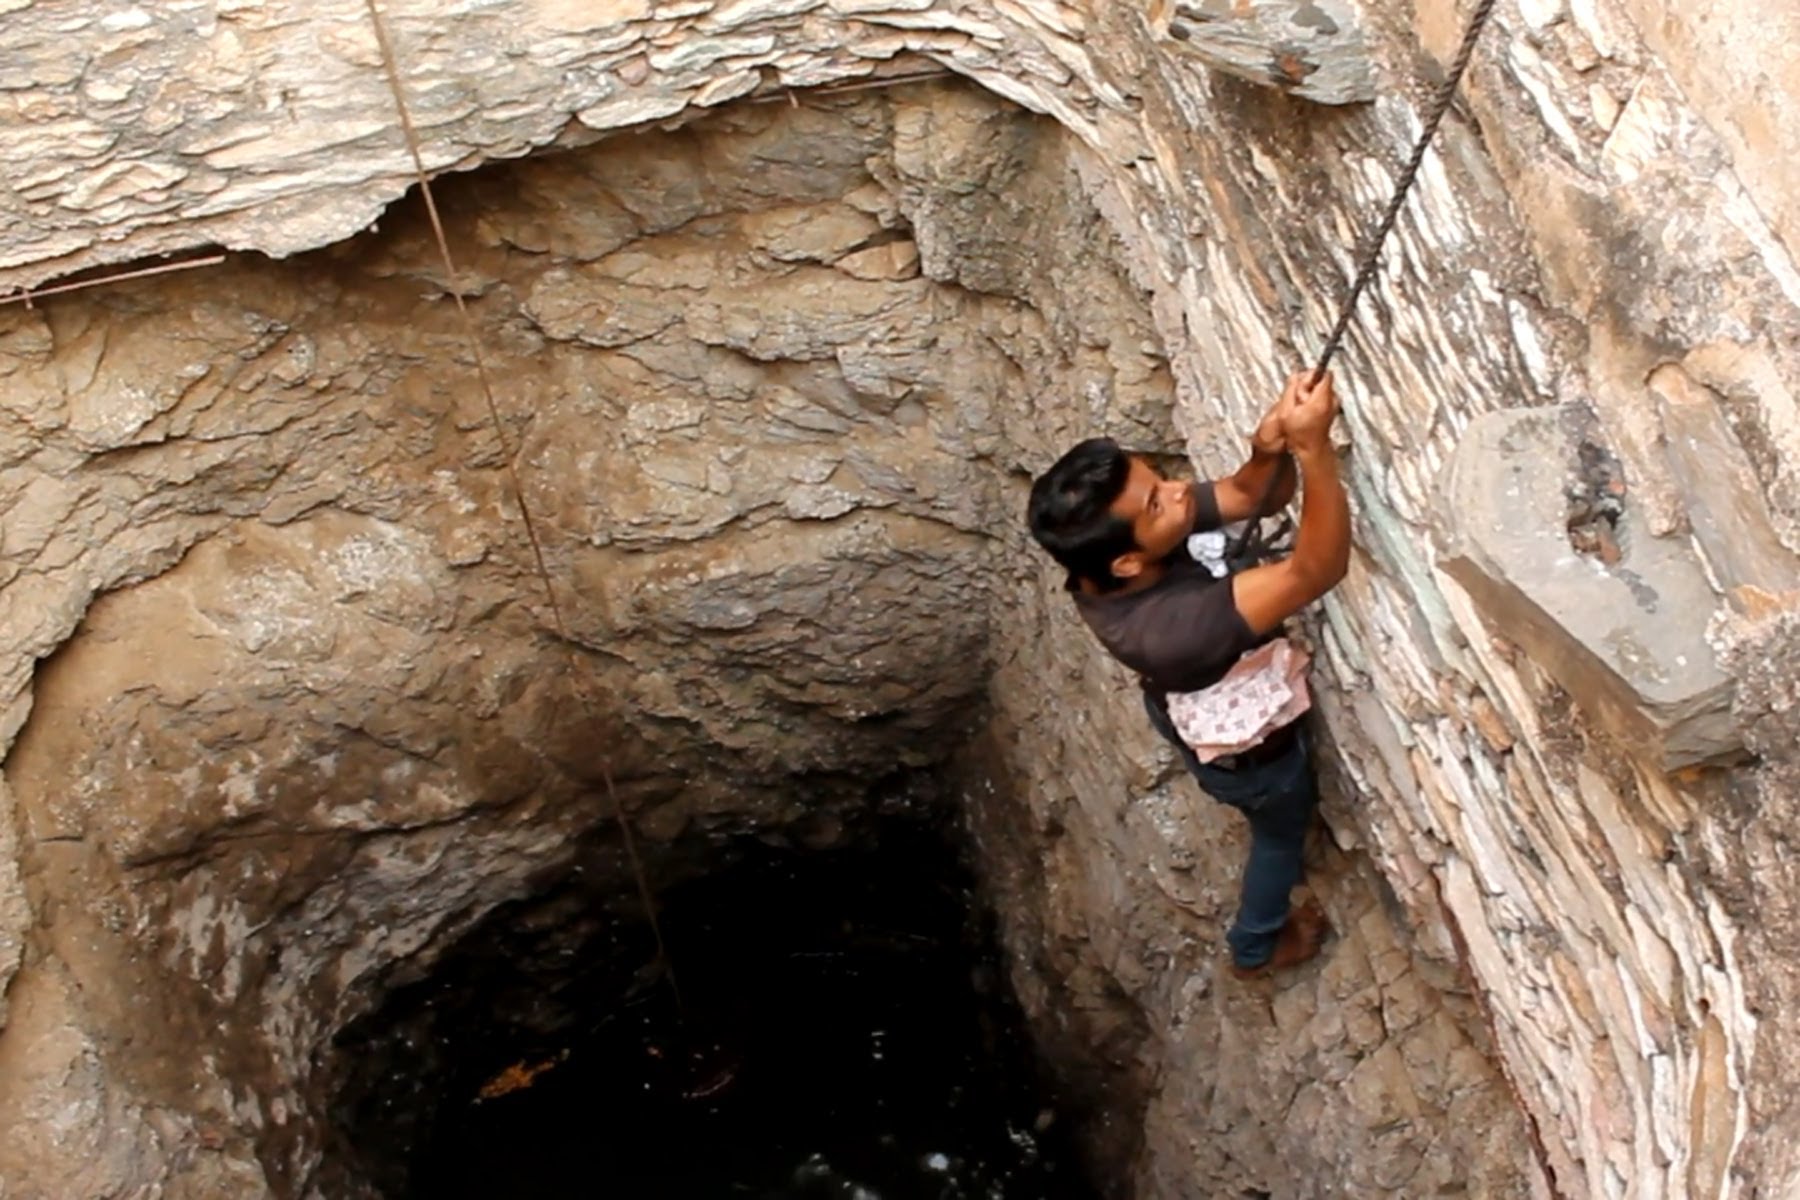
x=27 y=295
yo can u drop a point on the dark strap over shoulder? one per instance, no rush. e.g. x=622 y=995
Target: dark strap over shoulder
x=1252 y=547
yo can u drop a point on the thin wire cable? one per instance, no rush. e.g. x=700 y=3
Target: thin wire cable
x=390 y=63
x=27 y=296
x=1370 y=259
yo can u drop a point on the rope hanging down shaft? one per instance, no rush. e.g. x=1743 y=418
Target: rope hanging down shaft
x=512 y=472
x=1370 y=259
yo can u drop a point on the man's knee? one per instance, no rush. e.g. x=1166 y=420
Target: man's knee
x=1287 y=811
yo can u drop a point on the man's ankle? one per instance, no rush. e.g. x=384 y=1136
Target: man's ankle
x=1301 y=938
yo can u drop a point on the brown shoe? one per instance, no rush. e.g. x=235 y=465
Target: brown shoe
x=1300 y=939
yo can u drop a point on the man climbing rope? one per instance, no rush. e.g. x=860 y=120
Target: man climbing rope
x=1219 y=682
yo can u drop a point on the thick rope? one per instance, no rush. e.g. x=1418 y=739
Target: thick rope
x=512 y=472
x=1370 y=259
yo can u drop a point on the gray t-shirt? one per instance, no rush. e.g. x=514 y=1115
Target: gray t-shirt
x=1180 y=634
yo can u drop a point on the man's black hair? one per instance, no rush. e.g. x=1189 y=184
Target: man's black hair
x=1071 y=511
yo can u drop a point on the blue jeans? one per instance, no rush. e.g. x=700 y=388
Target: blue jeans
x=1278 y=798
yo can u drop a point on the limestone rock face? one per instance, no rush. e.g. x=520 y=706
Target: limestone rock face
x=757 y=370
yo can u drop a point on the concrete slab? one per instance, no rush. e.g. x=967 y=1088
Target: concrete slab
x=1622 y=630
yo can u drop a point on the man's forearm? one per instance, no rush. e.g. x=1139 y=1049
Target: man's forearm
x=1322 y=546
x=1253 y=478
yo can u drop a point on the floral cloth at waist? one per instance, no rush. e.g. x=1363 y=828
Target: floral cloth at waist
x=1263 y=691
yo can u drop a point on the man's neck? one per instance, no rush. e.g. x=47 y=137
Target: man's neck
x=1149 y=577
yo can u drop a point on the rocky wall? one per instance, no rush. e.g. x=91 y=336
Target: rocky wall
x=332 y=730
x=776 y=472
x=1368 y=1076
x=1602 y=226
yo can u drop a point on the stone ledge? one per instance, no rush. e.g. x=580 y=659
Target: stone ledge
x=1314 y=49
x=1625 y=637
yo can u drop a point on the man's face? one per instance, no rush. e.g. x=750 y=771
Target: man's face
x=1161 y=512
